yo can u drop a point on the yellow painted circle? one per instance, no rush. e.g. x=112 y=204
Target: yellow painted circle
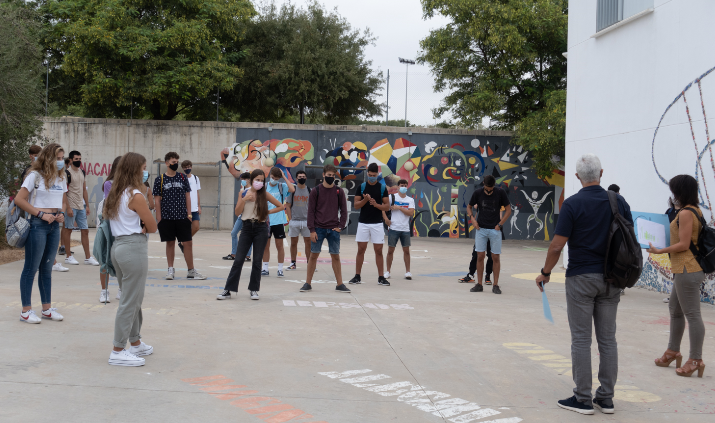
x=472 y=160
x=555 y=277
x=635 y=396
x=433 y=170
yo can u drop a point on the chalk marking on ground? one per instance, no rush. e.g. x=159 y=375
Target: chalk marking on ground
x=328 y=304
x=111 y=306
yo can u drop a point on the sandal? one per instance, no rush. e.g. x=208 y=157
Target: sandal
x=668 y=358
x=229 y=257
x=690 y=367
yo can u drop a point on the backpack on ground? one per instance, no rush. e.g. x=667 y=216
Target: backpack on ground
x=17 y=227
x=704 y=252
x=624 y=258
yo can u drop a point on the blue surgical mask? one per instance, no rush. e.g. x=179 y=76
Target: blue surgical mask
x=372 y=179
x=403 y=190
x=60 y=164
x=146 y=176
x=273 y=182
x=243 y=182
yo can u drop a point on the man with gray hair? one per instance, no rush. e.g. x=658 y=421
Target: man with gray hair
x=584 y=223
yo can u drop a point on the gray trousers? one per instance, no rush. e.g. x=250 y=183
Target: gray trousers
x=130 y=257
x=587 y=301
x=685 y=304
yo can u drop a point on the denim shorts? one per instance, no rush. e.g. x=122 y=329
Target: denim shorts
x=333 y=241
x=480 y=240
x=403 y=236
x=77 y=220
x=195 y=216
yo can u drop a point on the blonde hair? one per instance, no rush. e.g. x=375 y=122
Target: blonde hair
x=46 y=164
x=127 y=176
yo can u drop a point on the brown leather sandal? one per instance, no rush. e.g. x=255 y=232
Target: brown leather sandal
x=690 y=367
x=668 y=358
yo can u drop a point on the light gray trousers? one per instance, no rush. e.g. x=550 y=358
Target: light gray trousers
x=685 y=304
x=131 y=262
x=586 y=302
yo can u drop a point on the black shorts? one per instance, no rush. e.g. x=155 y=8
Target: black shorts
x=277 y=231
x=170 y=230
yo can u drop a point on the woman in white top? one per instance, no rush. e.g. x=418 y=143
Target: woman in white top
x=129 y=217
x=42 y=196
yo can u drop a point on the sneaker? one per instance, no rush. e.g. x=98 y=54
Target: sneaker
x=248 y=258
x=264 y=273
x=52 y=314
x=29 y=316
x=408 y=276
x=306 y=287
x=466 y=279
x=382 y=281
x=181 y=247
x=225 y=295
x=606 y=406
x=141 y=350
x=666 y=300
x=477 y=288
x=71 y=260
x=487 y=281
x=119 y=294
x=57 y=267
x=170 y=274
x=279 y=274
x=342 y=288
x=229 y=257
x=496 y=289
x=193 y=274
x=91 y=261
x=125 y=358
x=254 y=295
x=292 y=266
x=104 y=296
x=623 y=292
x=355 y=280
x=574 y=405
x=61 y=251
x=387 y=275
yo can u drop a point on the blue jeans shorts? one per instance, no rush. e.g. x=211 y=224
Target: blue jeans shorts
x=195 y=216
x=78 y=220
x=333 y=241
x=480 y=240
x=403 y=236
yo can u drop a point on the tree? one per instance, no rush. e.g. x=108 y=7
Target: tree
x=304 y=61
x=543 y=132
x=157 y=58
x=21 y=90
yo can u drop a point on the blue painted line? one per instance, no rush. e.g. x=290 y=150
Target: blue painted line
x=179 y=286
x=439 y=275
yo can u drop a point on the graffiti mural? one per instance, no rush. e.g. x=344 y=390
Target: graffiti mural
x=657 y=276
x=442 y=172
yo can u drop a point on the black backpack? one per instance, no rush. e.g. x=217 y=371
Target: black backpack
x=704 y=252
x=624 y=258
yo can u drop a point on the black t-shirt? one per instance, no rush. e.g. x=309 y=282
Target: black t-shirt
x=173 y=196
x=368 y=213
x=489 y=206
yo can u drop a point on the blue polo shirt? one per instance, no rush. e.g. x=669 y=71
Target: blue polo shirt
x=584 y=219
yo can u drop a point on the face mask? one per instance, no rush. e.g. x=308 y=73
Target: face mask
x=187 y=171
x=273 y=182
x=243 y=182
x=174 y=167
x=302 y=181
x=329 y=180
x=403 y=190
x=60 y=164
x=34 y=159
x=145 y=176
x=372 y=179
x=257 y=185
x=77 y=163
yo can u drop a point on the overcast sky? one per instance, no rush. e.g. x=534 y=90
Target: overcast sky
x=398 y=26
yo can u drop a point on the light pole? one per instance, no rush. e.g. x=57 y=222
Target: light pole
x=47 y=86
x=407 y=63
x=387 y=108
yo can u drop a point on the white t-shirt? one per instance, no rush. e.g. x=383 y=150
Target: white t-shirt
x=400 y=221
x=195 y=184
x=45 y=199
x=127 y=221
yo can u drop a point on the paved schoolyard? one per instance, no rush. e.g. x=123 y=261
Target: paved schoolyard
x=425 y=350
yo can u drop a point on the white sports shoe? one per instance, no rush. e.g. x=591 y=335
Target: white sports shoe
x=52 y=314
x=119 y=294
x=91 y=261
x=125 y=358
x=104 y=296
x=58 y=267
x=254 y=295
x=71 y=260
x=408 y=276
x=29 y=316
x=387 y=275
x=170 y=274
x=141 y=350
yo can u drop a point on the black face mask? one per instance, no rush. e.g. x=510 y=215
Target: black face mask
x=77 y=163
x=302 y=181
x=329 y=180
x=187 y=171
x=174 y=167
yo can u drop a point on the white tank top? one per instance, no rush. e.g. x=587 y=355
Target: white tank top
x=127 y=221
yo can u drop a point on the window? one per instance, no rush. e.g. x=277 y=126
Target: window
x=613 y=11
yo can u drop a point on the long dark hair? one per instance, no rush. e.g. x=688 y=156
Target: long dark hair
x=113 y=170
x=261 y=202
x=685 y=190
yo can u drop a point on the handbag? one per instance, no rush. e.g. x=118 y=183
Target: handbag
x=17 y=228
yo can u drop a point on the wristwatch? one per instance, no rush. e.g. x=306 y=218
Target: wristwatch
x=500 y=226
x=545 y=274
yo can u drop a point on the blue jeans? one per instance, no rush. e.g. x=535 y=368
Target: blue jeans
x=77 y=220
x=40 y=252
x=484 y=235
x=333 y=241
x=234 y=237
x=402 y=236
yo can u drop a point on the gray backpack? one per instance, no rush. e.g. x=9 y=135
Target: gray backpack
x=17 y=227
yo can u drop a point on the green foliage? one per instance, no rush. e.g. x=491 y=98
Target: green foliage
x=21 y=89
x=162 y=56
x=543 y=132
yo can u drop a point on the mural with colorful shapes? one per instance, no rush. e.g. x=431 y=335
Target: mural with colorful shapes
x=657 y=276
x=442 y=173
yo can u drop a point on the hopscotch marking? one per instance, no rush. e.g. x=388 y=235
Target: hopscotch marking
x=436 y=403
x=330 y=304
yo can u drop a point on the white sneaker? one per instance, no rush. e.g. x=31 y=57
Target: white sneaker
x=408 y=276
x=91 y=261
x=254 y=295
x=71 y=260
x=141 y=350
x=170 y=274
x=387 y=275
x=125 y=358
x=29 y=316
x=104 y=296
x=119 y=294
x=52 y=314
x=58 y=267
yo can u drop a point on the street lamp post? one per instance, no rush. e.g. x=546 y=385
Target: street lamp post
x=47 y=86
x=407 y=63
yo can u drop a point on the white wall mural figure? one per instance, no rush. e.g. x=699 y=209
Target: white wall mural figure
x=535 y=205
x=514 y=213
